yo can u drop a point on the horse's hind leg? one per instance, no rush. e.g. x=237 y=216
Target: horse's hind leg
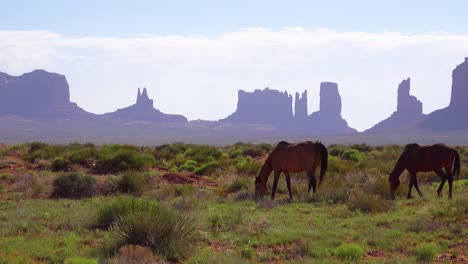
x=443 y=179
x=288 y=183
x=275 y=184
x=312 y=181
x=448 y=170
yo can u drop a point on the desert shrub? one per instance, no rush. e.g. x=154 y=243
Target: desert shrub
x=60 y=163
x=363 y=147
x=7 y=177
x=426 y=252
x=207 y=168
x=165 y=231
x=189 y=165
x=237 y=185
x=73 y=185
x=121 y=158
x=39 y=150
x=369 y=204
x=247 y=166
x=336 y=150
x=354 y=155
x=132 y=182
x=85 y=156
x=349 y=252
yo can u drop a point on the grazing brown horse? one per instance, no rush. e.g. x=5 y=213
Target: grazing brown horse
x=416 y=158
x=292 y=158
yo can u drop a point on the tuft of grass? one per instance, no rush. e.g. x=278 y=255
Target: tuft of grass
x=167 y=232
x=120 y=158
x=73 y=185
x=426 y=252
x=131 y=182
x=349 y=252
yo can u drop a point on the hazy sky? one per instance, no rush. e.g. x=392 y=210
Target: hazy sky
x=193 y=56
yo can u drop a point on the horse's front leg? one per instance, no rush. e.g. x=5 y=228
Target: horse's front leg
x=275 y=184
x=411 y=183
x=288 y=183
x=416 y=186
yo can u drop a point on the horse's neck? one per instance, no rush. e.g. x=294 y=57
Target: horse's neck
x=266 y=171
x=399 y=168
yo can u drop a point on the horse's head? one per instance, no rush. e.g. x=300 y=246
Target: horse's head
x=260 y=187
x=394 y=183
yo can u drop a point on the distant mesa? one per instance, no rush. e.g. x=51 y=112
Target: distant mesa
x=143 y=110
x=452 y=117
x=270 y=107
x=328 y=119
x=408 y=115
x=38 y=95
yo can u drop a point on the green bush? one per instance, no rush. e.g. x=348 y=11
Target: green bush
x=131 y=182
x=369 y=204
x=349 y=252
x=141 y=222
x=189 y=165
x=427 y=252
x=120 y=158
x=207 y=168
x=248 y=166
x=85 y=156
x=60 y=164
x=354 y=155
x=73 y=185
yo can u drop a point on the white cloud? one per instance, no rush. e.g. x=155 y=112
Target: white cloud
x=199 y=76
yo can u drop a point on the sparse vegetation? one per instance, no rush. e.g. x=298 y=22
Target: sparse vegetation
x=206 y=212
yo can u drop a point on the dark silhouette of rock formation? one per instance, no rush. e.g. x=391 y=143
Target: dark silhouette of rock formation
x=452 y=117
x=38 y=94
x=143 y=110
x=266 y=106
x=300 y=107
x=328 y=119
x=408 y=115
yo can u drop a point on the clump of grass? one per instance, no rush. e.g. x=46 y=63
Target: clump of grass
x=80 y=260
x=73 y=185
x=349 y=252
x=426 y=252
x=207 y=168
x=247 y=252
x=310 y=249
x=369 y=204
x=237 y=185
x=60 y=164
x=167 y=232
x=131 y=182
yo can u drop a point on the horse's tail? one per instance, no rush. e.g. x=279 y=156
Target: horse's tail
x=322 y=150
x=456 y=164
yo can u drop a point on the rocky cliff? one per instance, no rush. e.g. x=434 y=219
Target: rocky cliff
x=38 y=94
x=266 y=106
x=408 y=115
x=452 y=117
x=328 y=119
x=300 y=107
x=143 y=110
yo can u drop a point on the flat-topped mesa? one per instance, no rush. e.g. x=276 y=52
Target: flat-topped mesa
x=143 y=110
x=452 y=117
x=300 y=106
x=266 y=106
x=330 y=99
x=328 y=119
x=38 y=94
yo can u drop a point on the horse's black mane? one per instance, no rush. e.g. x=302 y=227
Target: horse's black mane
x=411 y=146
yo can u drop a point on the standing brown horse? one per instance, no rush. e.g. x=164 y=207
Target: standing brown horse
x=417 y=158
x=287 y=158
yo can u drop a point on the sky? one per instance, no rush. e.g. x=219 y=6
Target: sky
x=193 y=56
